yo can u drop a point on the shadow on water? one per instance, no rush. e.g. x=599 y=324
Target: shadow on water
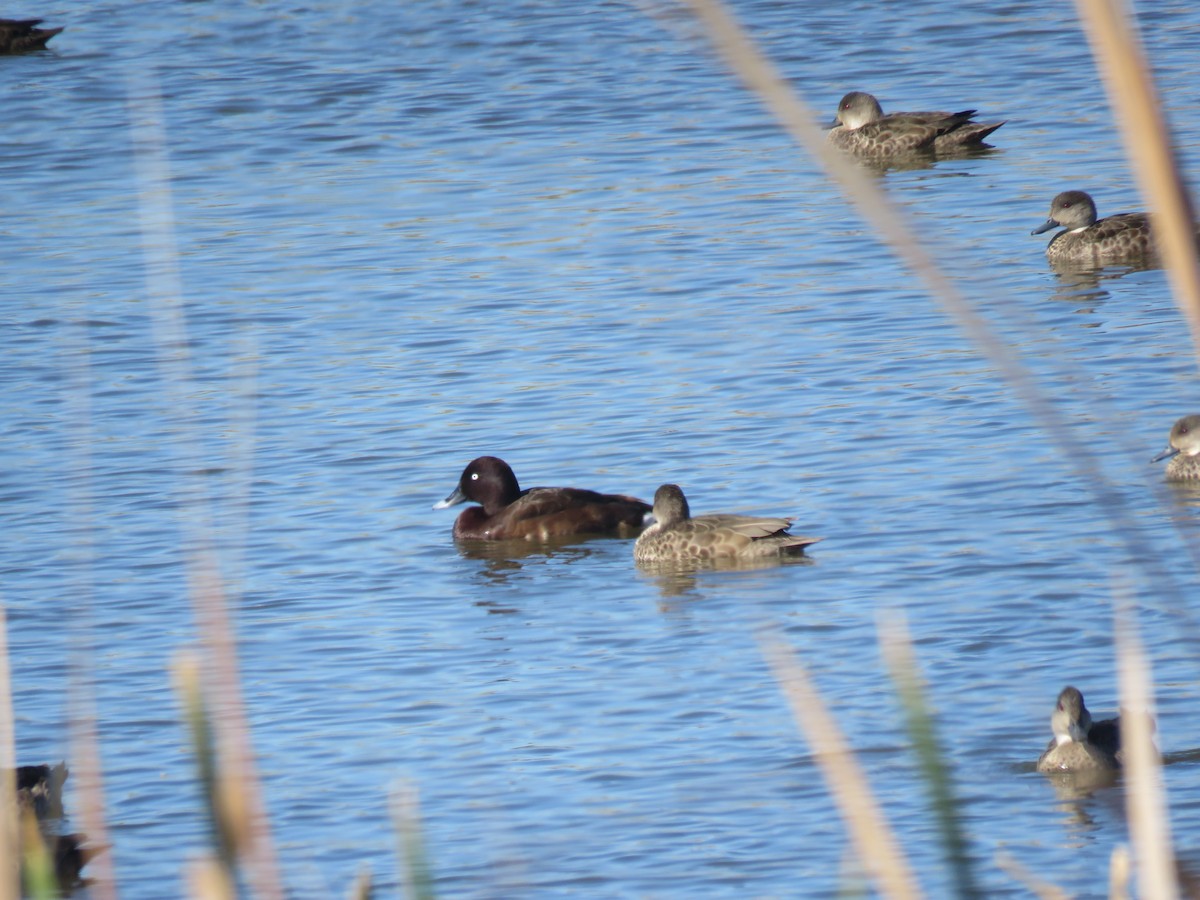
x=504 y=559
x=1072 y=787
x=918 y=162
x=676 y=578
x=1084 y=285
x=1078 y=795
x=1185 y=494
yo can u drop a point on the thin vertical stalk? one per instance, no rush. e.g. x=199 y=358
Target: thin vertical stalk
x=898 y=652
x=206 y=589
x=10 y=875
x=1122 y=62
x=406 y=818
x=88 y=780
x=878 y=851
x=1145 y=797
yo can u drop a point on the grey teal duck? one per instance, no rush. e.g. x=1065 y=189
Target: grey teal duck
x=865 y=131
x=677 y=535
x=1114 y=240
x=1183 y=449
x=1080 y=745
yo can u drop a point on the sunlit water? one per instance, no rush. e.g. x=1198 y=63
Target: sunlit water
x=410 y=234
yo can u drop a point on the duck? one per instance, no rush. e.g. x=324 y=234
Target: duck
x=66 y=853
x=39 y=798
x=506 y=512
x=676 y=535
x=1080 y=745
x=23 y=35
x=71 y=853
x=863 y=129
x=1113 y=240
x=1183 y=449
x=39 y=789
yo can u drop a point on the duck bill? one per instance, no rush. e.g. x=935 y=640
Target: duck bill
x=1166 y=454
x=1045 y=226
x=456 y=496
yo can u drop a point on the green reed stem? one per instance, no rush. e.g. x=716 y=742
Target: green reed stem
x=406 y=817
x=196 y=714
x=918 y=721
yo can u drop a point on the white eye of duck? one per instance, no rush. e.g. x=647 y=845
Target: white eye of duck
x=474 y=476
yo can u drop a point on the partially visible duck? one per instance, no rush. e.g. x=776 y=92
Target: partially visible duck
x=536 y=514
x=1125 y=238
x=69 y=854
x=1079 y=744
x=677 y=535
x=1183 y=448
x=39 y=797
x=865 y=131
x=39 y=789
x=23 y=35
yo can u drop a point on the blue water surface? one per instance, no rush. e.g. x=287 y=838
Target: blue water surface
x=274 y=273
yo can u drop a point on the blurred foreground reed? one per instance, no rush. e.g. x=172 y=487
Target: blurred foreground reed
x=242 y=852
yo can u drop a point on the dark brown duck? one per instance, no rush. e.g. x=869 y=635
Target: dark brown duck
x=39 y=789
x=23 y=35
x=505 y=512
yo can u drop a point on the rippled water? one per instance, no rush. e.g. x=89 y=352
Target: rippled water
x=408 y=235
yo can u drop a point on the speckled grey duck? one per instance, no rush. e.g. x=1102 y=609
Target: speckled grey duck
x=23 y=35
x=1183 y=449
x=866 y=132
x=676 y=535
x=1125 y=238
x=536 y=514
x=1079 y=744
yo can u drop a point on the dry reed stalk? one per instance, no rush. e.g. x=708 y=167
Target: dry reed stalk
x=1122 y=62
x=1118 y=873
x=362 y=888
x=878 y=852
x=1145 y=796
x=10 y=875
x=87 y=776
x=208 y=880
x=206 y=589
